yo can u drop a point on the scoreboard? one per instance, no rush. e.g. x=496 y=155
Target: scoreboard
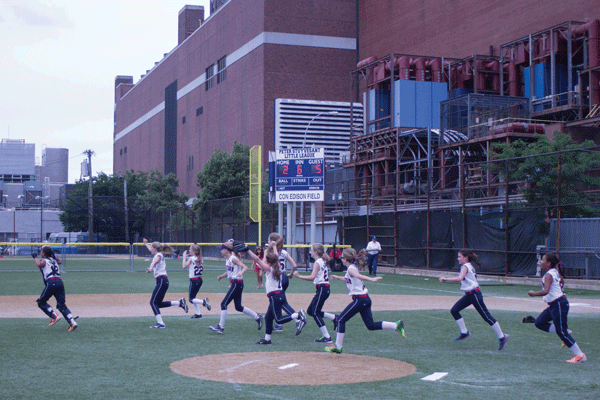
x=299 y=175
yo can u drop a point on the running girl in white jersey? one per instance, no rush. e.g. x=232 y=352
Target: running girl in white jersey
x=361 y=302
x=558 y=306
x=159 y=267
x=48 y=265
x=284 y=258
x=196 y=267
x=470 y=286
x=274 y=288
x=234 y=271
x=320 y=278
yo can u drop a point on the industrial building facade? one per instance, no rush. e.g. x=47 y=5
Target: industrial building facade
x=222 y=81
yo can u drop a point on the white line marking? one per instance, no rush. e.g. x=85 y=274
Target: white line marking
x=292 y=365
x=233 y=368
x=435 y=376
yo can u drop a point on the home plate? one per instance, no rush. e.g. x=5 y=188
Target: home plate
x=292 y=365
x=435 y=376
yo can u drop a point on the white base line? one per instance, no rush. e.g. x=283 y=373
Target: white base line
x=435 y=376
x=292 y=365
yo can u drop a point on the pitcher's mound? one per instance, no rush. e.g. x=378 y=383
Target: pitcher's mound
x=292 y=368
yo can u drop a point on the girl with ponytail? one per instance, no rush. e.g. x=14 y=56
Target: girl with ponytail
x=558 y=305
x=470 y=286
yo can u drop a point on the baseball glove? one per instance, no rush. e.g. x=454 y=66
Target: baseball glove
x=239 y=246
x=34 y=255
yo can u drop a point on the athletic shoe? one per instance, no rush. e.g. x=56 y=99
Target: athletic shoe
x=577 y=359
x=263 y=341
x=400 y=328
x=462 y=336
x=195 y=316
x=73 y=326
x=54 y=320
x=277 y=327
x=333 y=349
x=259 y=320
x=335 y=323
x=183 y=304
x=206 y=304
x=324 y=340
x=301 y=322
x=503 y=341
x=158 y=326
x=216 y=328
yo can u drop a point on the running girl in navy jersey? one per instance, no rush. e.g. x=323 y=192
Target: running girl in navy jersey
x=274 y=288
x=48 y=265
x=159 y=267
x=361 y=302
x=320 y=278
x=470 y=285
x=234 y=271
x=196 y=267
x=558 y=306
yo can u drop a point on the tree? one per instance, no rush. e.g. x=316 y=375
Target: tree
x=145 y=192
x=538 y=165
x=225 y=175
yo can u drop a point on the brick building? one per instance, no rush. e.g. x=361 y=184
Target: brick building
x=220 y=83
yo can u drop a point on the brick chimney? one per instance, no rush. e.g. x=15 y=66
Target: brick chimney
x=123 y=84
x=190 y=19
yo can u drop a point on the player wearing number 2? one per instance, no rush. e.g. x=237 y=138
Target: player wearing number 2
x=470 y=285
x=196 y=267
x=320 y=278
x=48 y=265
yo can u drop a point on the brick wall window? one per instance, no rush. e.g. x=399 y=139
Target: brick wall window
x=222 y=69
x=183 y=120
x=210 y=79
x=199 y=110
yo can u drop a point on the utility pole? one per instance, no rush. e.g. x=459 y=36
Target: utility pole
x=90 y=198
x=126 y=208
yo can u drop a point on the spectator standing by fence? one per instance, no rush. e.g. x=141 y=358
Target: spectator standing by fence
x=373 y=249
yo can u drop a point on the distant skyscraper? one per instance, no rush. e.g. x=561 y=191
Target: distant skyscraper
x=55 y=165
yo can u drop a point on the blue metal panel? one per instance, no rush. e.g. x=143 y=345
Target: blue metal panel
x=423 y=104
x=526 y=76
x=405 y=99
x=439 y=93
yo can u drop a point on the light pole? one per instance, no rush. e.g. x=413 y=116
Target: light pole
x=41 y=198
x=311 y=121
x=313 y=206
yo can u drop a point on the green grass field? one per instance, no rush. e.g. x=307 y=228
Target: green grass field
x=122 y=358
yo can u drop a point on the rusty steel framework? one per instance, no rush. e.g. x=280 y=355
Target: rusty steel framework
x=572 y=51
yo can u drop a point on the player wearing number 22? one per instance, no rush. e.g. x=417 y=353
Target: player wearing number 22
x=196 y=267
x=361 y=302
x=48 y=265
x=320 y=278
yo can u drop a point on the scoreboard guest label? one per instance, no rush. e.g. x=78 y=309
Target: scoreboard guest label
x=299 y=174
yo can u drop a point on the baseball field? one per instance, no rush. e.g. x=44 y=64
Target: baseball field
x=114 y=355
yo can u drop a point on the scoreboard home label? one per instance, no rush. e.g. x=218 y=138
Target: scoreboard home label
x=299 y=174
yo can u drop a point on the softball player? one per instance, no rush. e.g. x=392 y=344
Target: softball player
x=558 y=306
x=320 y=278
x=283 y=257
x=159 y=266
x=196 y=267
x=470 y=285
x=277 y=300
x=48 y=265
x=234 y=272
x=361 y=302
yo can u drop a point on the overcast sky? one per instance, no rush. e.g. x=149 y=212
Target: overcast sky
x=59 y=62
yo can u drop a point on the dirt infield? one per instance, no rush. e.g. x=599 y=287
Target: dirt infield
x=137 y=304
x=292 y=368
